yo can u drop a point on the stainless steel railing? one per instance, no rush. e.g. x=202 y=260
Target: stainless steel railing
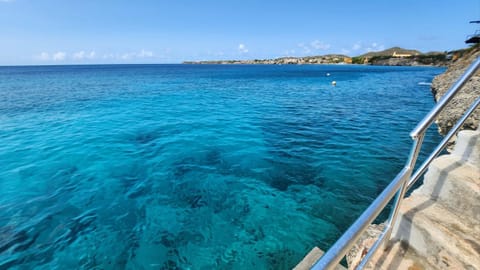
x=401 y=183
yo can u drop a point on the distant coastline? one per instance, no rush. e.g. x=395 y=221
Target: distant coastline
x=395 y=56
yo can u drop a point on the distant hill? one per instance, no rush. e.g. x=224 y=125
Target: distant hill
x=389 y=52
x=395 y=56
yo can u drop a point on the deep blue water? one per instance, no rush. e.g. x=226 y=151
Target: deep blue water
x=195 y=167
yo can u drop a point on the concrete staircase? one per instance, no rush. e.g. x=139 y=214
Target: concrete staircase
x=439 y=223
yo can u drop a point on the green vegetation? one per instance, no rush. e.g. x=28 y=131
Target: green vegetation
x=462 y=52
x=376 y=58
x=358 y=60
x=389 y=52
x=429 y=59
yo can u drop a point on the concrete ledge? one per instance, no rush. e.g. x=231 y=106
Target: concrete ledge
x=311 y=258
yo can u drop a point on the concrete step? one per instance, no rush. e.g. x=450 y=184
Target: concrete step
x=467 y=146
x=454 y=184
x=436 y=234
x=311 y=258
x=398 y=256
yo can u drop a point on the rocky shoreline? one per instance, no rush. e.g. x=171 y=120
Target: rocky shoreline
x=395 y=56
x=460 y=103
x=321 y=59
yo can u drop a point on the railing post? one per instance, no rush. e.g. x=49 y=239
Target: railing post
x=330 y=259
x=443 y=143
x=416 y=147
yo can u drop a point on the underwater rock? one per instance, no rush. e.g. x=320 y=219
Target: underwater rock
x=146 y=137
x=138 y=190
x=9 y=237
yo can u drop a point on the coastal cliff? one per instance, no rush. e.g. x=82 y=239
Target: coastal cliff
x=466 y=96
x=434 y=59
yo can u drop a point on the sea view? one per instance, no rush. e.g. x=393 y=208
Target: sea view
x=196 y=166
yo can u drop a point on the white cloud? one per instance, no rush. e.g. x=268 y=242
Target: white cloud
x=357 y=46
x=289 y=53
x=319 y=45
x=375 y=47
x=345 y=51
x=305 y=48
x=44 y=56
x=144 y=54
x=81 y=55
x=315 y=45
x=242 y=48
x=108 y=56
x=93 y=55
x=59 y=56
x=132 y=55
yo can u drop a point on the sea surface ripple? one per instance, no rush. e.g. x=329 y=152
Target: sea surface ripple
x=195 y=167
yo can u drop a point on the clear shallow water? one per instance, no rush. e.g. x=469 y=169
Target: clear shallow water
x=195 y=167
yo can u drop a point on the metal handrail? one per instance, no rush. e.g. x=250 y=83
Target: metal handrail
x=443 y=143
x=400 y=184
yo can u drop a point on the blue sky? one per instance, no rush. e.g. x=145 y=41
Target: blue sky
x=121 y=31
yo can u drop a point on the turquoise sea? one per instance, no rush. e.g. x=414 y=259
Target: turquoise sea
x=195 y=166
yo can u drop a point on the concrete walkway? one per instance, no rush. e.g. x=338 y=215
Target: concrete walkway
x=439 y=223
